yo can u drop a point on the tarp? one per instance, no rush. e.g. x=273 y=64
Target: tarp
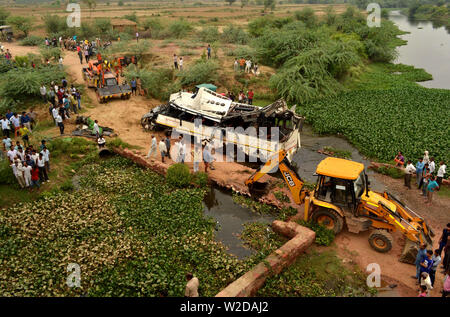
x=208 y=86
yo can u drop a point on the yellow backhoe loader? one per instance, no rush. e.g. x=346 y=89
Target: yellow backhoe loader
x=342 y=195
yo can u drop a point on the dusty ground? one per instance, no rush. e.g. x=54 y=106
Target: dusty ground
x=124 y=117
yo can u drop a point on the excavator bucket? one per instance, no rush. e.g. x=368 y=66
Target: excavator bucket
x=412 y=248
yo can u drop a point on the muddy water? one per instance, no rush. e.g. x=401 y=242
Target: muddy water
x=230 y=219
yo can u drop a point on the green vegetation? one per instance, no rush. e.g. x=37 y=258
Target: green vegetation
x=338 y=152
x=439 y=14
x=178 y=175
x=385 y=114
x=281 y=197
x=20 y=23
x=131 y=232
x=324 y=236
x=317 y=274
x=32 y=40
x=200 y=72
x=390 y=171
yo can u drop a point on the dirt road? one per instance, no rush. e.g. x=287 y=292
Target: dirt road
x=124 y=117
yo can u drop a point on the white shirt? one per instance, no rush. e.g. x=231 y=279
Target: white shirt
x=101 y=141
x=181 y=62
x=14 y=168
x=441 y=170
x=162 y=146
x=11 y=155
x=35 y=157
x=96 y=129
x=153 y=142
x=18 y=169
x=55 y=112
x=432 y=167
x=182 y=148
x=46 y=155
x=43 y=90
x=192 y=288
x=27 y=171
x=5 y=124
x=40 y=162
x=410 y=169
x=21 y=155
x=58 y=119
x=15 y=121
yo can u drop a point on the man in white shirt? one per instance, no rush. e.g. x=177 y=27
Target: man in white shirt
x=181 y=63
x=40 y=162
x=11 y=154
x=181 y=150
x=18 y=172
x=96 y=129
x=5 y=126
x=441 y=172
x=248 y=65
x=46 y=155
x=409 y=171
x=27 y=174
x=43 y=92
x=15 y=121
x=55 y=113
x=191 y=286
x=432 y=165
x=152 y=151
x=162 y=149
x=60 y=123
x=20 y=154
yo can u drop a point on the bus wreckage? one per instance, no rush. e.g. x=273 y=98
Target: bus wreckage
x=256 y=131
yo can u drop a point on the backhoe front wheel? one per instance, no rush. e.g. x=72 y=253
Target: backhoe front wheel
x=381 y=241
x=329 y=218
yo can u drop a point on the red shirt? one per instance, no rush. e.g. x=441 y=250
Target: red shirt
x=78 y=48
x=35 y=174
x=250 y=95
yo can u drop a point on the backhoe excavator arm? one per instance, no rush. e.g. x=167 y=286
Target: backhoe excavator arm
x=294 y=182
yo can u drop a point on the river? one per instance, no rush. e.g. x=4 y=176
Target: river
x=428 y=48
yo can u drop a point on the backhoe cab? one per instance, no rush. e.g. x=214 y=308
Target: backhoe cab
x=342 y=194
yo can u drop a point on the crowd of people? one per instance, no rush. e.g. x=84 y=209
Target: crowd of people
x=427 y=263
x=428 y=176
x=203 y=154
x=246 y=65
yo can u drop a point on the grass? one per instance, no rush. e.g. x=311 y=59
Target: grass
x=444 y=191
x=338 y=152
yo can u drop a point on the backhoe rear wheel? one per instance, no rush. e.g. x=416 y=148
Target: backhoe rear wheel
x=329 y=218
x=381 y=241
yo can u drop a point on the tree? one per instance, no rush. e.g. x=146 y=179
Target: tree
x=230 y=2
x=3 y=16
x=269 y=4
x=244 y=3
x=103 y=24
x=21 y=23
x=138 y=49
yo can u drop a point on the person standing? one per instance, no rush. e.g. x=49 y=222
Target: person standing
x=18 y=172
x=248 y=65
x=139 y=86
x=137 y=36
x=6 y=143
x=175 y=61
x=25 y=120
x=399 y=160
x=436 y=261
x=208 y=49
x=43 y=92
x=444 y=238
x=15 y=122
x=60 y=63
x=432 y=165
x=55 y=113
x=101 y=142
x=421 y=255
x=441 y=172
x=40 y=162
x=96 y=129
x=409 y=171
x=78 y=97
x=80 y=55
x=426 y=158
x=152 y=151
x=236 y=65
x=191 y=286
x=86 y=54
x=60 y=123
x=133 y=86
x=419 y=168
x=446 y=286
x=162 y=149
x=34 y=177
x=167 y=141
x=432 y=184
x=207 y=157
x=27 y=174
x=250 y=97
x=23 y=131
x=181 y=63
x=425 y=181
x=426 y=264
x=5 y=126
x=425 y=280
x=46 y=155
x=181 y=150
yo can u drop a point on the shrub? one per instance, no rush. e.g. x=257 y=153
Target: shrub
x=178 y=175
x=179 y=28
x=6 y=174
x=50 y=52
x=23 y=24
x=324 y=236
x=200 y=179
x=54 y=23
x=103 y=24
x=67 y=185
x=201 y=72
x=234 y=34
x=132 y=17
x=32 y=40
x=209 y=34
x=308 y=16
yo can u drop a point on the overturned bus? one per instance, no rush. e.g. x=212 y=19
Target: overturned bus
x=253 y=130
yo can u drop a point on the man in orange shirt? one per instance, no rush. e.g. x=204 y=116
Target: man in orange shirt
x=242 y=64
